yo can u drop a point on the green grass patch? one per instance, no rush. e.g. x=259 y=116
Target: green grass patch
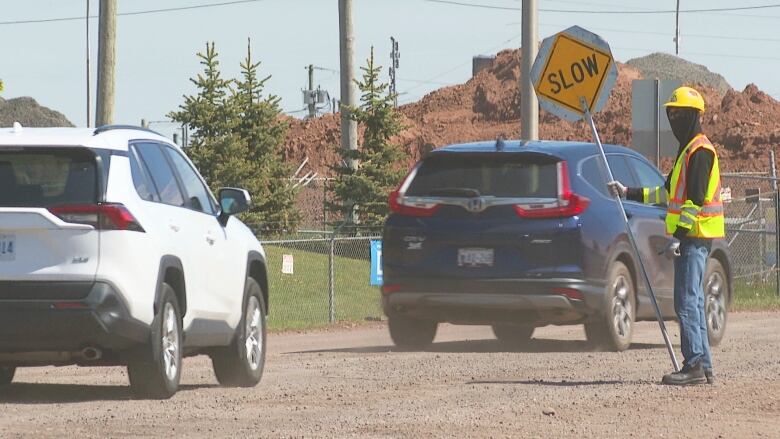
x=300 y=300
x=755 y=297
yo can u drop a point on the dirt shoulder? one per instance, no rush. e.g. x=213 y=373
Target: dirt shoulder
x=351 y=383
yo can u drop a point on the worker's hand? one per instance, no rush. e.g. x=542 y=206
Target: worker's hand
x=672 y=249
x=617 y=189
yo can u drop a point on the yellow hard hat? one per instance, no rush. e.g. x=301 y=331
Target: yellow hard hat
x=686 y=97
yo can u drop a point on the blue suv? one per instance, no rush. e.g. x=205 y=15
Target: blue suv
x=519 y=235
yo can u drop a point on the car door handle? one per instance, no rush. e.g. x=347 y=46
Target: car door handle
x=174 y=227
x=210 y=239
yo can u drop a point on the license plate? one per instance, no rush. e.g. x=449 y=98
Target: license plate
x=475 y=257
x=7 y=247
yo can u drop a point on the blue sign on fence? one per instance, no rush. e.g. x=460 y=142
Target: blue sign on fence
x=376 y=262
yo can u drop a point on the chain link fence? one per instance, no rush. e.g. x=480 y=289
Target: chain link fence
x=750 y=201
x=318 y=281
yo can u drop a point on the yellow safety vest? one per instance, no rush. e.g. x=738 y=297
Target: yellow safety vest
x=705 y=221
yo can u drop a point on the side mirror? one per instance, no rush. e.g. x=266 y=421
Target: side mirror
x=233 y=201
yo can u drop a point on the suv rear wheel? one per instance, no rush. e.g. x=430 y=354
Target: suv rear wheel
x=241 y=364
x=158 y=377
x=411 y=333
x=513 y=335
x=6 y=375
x=716 y=298
x=614 y=327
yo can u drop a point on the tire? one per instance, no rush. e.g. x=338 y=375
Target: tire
x=6 y=375
x=716 y=298
x=157 y=376
x=410 y=333
x=513 y=335
x=241 y=365
x=614 y=327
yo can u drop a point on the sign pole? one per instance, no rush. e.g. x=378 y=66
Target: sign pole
x=589 y=119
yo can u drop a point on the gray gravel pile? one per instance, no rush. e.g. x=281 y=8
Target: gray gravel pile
x=665 y=66
x=29 y=113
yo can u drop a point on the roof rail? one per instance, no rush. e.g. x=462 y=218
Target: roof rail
x=104 y=128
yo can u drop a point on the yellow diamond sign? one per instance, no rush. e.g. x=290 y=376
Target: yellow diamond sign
x=572 y=66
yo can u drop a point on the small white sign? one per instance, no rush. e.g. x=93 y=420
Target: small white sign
x=287 y=264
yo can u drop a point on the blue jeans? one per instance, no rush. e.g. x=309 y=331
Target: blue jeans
x=689 y=301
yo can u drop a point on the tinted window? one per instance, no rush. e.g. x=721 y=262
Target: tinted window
x=498 y=175
x=47 y=177
x=648 y=176
x=143 y=184
x=161 y=174
x=593 y=172
x=620 y=170
x=196 y=191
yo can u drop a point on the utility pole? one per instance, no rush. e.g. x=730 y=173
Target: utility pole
x=394 y=56
x=311 y=99
x=347 y=46
x=89 y=81
x=529 y=109
x=104 y=113
x=677 y=30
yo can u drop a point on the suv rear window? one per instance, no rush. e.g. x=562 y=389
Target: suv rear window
x=525 y=175
x=37 y=177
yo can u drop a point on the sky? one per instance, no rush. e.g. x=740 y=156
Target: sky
x=156 y=51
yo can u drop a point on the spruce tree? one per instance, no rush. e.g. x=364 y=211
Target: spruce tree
x=237 y=141
x=379 y=170
x=263 y=132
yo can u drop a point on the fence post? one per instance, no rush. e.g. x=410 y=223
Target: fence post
x=332 y=280
x=777 y=221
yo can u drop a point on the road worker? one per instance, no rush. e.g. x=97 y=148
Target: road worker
x=694 y=217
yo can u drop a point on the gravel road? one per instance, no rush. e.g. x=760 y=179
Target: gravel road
x=349 y=382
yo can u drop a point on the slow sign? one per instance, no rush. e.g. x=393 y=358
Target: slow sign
x=572 y=65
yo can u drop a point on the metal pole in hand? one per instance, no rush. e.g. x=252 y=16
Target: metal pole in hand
x=589 y=118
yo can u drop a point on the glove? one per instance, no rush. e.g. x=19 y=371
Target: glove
x=617 y=189
x=672 y=249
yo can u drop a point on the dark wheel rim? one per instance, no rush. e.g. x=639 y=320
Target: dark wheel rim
x=714 y=291
x=622 y=310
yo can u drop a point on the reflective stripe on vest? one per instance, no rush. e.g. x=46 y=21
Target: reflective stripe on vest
x=704 y=221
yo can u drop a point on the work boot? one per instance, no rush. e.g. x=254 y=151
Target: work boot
x=710 y=376
x=688 y=375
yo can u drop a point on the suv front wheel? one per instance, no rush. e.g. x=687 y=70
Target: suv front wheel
x=158 y=376
x=241 y=364
x=614 y=327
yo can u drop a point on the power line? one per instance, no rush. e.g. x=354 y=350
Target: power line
x=581 y=11
x=150 y=11
x=718 y=37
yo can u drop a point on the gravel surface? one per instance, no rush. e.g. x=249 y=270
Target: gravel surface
x=351 y=383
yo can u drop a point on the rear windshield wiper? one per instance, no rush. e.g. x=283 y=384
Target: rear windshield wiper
x=455 y=192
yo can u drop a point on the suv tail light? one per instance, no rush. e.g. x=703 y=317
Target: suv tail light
x=400 y=204
x=567 y=204
x=104 y=216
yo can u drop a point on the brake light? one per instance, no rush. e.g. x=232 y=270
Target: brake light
x=401 y=206
x=571 y=293
x=390 y=289
x=106 y=216
x=567 y=204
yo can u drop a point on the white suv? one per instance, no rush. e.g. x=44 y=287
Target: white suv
x=113 y=251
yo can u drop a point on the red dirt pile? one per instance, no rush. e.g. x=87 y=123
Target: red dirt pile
x=744 y=125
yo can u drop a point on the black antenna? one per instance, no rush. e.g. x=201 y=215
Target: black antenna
x=500 y=143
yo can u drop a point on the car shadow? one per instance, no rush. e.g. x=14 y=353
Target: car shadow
x=40 y=393
x=488 y=346
x=562 y=383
